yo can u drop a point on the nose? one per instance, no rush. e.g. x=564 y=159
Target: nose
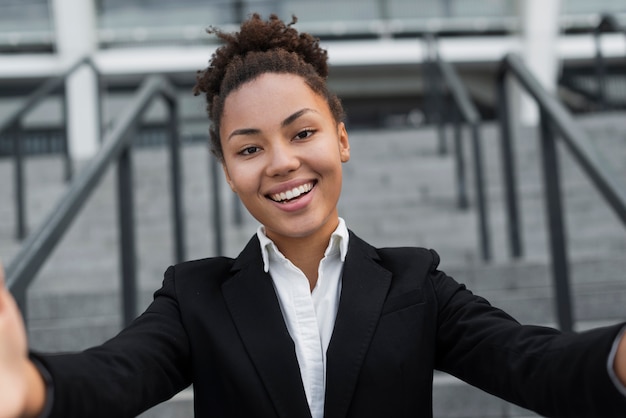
x=283 y=159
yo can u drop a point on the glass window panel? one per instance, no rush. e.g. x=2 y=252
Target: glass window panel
x=24 y=15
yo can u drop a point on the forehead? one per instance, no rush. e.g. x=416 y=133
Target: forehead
x=271 y=97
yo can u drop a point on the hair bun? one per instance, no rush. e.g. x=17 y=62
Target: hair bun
x=260 y=47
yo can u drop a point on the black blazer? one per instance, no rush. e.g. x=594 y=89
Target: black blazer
x=216 y=323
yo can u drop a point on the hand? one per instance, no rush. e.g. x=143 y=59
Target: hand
x=22 y=390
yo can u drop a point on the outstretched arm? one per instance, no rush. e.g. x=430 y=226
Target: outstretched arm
x=22 y=389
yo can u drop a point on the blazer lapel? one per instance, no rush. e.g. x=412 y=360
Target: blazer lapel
x=364 y=288
x=255 y=309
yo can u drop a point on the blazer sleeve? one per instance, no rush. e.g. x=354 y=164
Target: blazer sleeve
x=145 y=364
x=555 y=374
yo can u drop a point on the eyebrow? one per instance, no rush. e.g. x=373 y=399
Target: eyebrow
x=286 y=122
x=292 y=118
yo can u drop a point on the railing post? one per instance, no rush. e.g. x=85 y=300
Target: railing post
x=19 y=184
x=100 y=90
x=439 y=104
x=479 y=179
x=127 y=235
x=433 y=93
x=459 y=158
x=508 y=166
x=217 y=209
x=560 y=266
x=67 y=175
x=175 y=181
x=600 y=68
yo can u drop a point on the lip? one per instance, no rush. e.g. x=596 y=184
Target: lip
x=288 y=186
x=297 y=204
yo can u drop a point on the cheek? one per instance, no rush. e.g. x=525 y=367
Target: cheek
x=327 y=160
x=244 y=180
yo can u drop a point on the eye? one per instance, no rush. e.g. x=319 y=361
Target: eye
x=304 y=134
x=249 y=150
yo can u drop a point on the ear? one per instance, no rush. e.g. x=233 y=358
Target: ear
x=227 y=176
x=344 y=144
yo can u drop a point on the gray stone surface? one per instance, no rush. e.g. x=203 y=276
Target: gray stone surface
x=397 y=191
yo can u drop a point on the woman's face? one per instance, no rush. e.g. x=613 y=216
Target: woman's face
x=283 y=152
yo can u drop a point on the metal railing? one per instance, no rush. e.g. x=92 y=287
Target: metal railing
x=117 y=147
x=441 y=74
x=13 y=123
x=608 y=23
x=555 y=122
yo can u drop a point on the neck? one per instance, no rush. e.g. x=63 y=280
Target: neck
x=306 y=257
x=306 y=253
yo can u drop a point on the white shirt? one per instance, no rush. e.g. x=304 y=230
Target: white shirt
x=309 y=315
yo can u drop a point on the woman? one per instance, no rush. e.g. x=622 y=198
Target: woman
x=308 y=320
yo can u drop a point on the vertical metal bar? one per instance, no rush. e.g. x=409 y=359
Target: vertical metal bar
x=439 y=103
x=459 y=158
x=508 y=166
x=600 y=69
x=127 y=236
x=479 y=179
x=440 y=119
x=217 y=210
x=427 y=84
x=68 y=172
x=20 y=192
x=433 y=103
x=560 y=266
x=100 y=88
x=178 y=219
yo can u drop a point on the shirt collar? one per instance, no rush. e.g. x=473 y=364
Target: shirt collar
x=338 y=242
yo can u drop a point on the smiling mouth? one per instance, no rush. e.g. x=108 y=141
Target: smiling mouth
x=292 y=194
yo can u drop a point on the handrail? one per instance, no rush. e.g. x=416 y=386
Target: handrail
x=466 y=111
x=554 y=119
x=13 y=122
x=116 y=147
x=607 y=23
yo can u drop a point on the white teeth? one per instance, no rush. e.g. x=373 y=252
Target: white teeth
x=291 y=194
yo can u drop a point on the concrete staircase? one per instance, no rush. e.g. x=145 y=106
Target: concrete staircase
x=397 y=191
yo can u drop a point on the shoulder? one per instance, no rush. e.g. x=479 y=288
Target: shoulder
x=194 y=277
x=217 y=269
x=205 y=267
x=398 y=259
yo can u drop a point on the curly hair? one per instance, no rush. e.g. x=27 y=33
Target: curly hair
x=261 y=47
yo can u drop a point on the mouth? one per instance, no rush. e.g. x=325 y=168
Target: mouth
x=293 y=194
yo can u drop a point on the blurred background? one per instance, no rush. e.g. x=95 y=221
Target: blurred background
x=491 y=130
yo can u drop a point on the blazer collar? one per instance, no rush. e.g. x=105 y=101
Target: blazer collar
x=255 y=309
x=364 y=288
